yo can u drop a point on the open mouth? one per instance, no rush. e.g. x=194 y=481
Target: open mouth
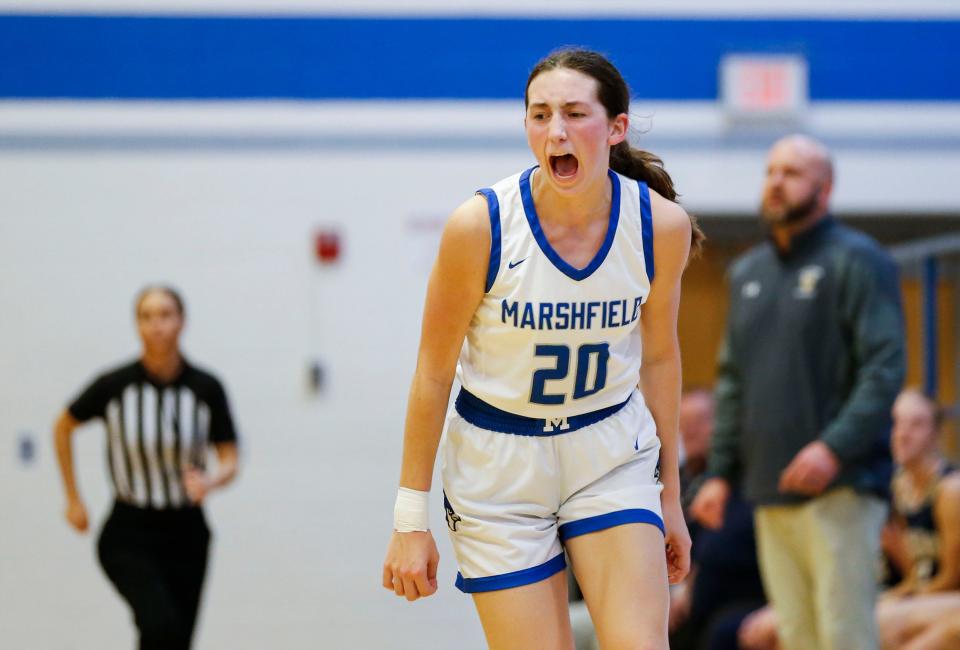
x=564 y=166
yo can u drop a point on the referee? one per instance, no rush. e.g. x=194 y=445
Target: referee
x=161 y=414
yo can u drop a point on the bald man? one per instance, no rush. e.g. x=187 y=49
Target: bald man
x=810 y=365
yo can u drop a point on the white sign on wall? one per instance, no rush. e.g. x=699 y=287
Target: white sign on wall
x=761 y=87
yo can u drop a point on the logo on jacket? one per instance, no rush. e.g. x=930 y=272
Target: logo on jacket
x=807 y=280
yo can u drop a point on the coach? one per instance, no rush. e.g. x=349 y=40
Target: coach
x=811 y=363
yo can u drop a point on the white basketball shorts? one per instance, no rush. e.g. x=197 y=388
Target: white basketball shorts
x=512 y=500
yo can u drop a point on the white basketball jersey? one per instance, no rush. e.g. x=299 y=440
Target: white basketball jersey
x=549 y=340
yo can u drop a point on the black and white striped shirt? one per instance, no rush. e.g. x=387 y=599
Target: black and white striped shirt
x=156 y=430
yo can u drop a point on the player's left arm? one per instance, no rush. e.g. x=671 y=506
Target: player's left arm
x=660 y=374
x=946 y=513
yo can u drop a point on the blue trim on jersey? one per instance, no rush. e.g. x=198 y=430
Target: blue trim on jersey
x=486 y=416
x=531 y=211
x=512 y=579
x=646 y=228
x=493 y=207
x=609 y=520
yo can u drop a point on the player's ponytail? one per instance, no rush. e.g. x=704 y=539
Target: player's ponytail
x=613 y=93
x=644 y=166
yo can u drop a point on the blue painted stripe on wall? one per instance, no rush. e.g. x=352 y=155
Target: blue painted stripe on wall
x=94 y=57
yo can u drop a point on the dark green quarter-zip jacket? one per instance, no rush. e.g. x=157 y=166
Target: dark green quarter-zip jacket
x=814 y=349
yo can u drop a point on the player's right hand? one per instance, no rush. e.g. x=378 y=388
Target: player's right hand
x=77 y=515
x=711 y=501
x=410 y=568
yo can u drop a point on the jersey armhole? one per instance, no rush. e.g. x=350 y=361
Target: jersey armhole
x=493 y=207
x=646 y=229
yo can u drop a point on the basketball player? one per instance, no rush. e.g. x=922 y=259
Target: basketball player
x=554 y=276
x=926 y=524
x=161 y=414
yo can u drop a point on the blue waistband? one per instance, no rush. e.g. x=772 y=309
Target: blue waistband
x=478 y=413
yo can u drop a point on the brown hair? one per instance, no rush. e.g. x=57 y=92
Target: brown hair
x=613 y=93
x=170 y=291
x=937 y=413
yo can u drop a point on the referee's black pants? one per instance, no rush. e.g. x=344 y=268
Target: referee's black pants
x=157 y=560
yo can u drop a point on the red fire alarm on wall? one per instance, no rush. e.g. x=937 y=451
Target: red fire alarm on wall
x=327 y=245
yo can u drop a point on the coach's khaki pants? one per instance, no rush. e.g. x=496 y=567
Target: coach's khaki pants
x=819 y=562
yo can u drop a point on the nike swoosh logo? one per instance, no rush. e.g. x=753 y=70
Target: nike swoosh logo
x=515 y=264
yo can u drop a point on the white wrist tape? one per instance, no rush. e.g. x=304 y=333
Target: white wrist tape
x=411 y=512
